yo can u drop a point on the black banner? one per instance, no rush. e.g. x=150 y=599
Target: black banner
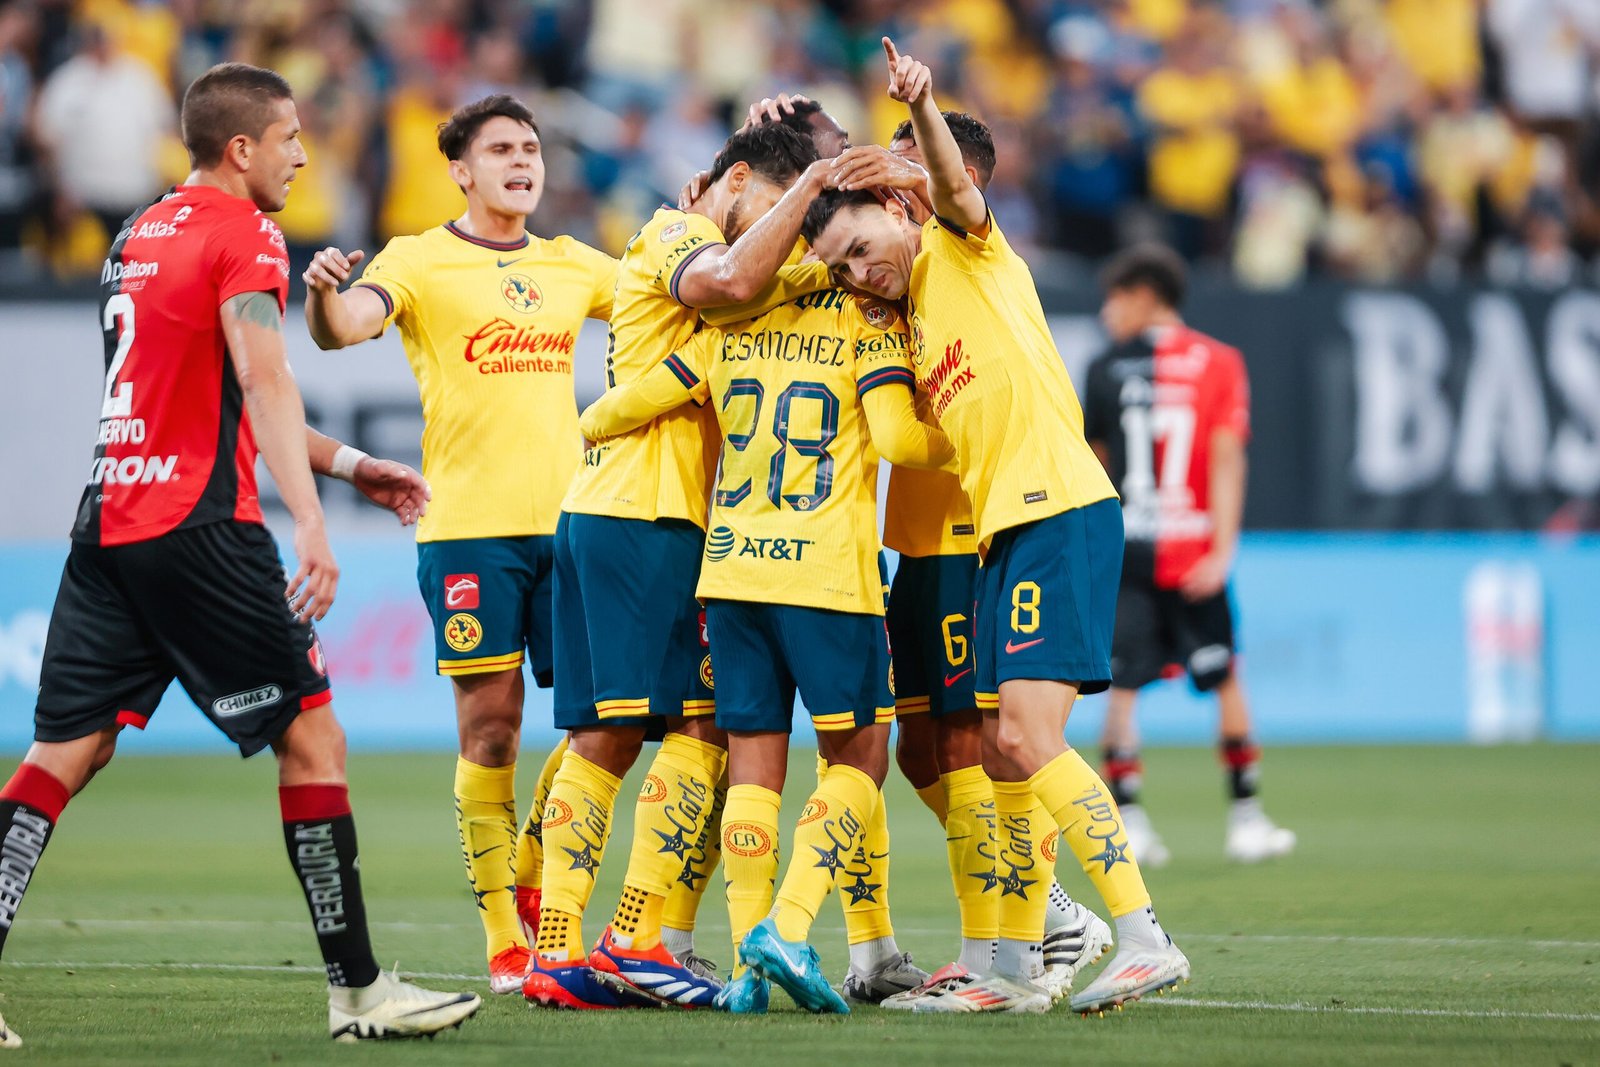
x=1414 y=409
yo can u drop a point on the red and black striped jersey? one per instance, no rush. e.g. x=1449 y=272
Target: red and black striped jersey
x=175 y=448
x=1155 y=403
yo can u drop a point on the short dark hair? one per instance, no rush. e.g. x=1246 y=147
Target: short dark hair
x=972 y=137
x=225 y=101
x=771 y=149
x=1154 y=266
x=798 y=120
x=465 y=122
x=828 y=204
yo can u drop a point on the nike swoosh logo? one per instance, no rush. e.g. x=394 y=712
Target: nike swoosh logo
x=952 y=679
x=504 y=263
x=485 y=852
x=1012 y=646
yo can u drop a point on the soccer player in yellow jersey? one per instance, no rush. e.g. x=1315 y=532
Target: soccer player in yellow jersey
x=489 y=315
x=1050 y=529
x=806 y=396
x=630 y=645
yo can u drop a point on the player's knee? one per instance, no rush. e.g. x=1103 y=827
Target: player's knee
x=916 y=761
x=612 y=749
x=960 y=742
x=491 y=742
x=1013 y=743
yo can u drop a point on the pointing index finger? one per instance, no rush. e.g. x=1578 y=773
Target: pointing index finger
x=889 y=50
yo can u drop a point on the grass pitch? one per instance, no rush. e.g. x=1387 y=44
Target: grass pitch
x=1442 y=908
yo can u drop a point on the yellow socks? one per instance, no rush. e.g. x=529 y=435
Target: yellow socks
x=530 y=845
x=577 y=822
x=935 y=796
x=830 y=829
x=1022 y=872
x=749 y=857
x=683 y=902
x=486 y=814
x=1091 y=826
x=864 y=882
x=969 y=846
x=674 y=804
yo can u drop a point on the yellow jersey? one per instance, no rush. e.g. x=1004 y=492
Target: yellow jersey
x=662 y=470
x=794 y=518
x=928 y=513
x=983 y=354
x=489 y=329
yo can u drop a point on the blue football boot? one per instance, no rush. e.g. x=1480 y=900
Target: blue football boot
x=794 y=966
x=745 y=995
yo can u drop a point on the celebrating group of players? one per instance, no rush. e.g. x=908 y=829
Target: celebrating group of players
x=808 y=308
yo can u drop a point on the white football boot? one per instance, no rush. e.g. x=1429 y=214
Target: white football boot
x=9 y=1038
x=1079 y=940
x=391 y=1008
x=1252 y=837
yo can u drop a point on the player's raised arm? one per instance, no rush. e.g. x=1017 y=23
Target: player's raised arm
x=955 y=198
x=390 y=485
x=733 y=274
x=667 y=385
x=252 y=323
x=335 y=319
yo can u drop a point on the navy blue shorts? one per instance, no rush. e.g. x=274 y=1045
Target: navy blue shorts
x=1047 y=601
x=490 y=601
x=630 y=639
x=930 y=631
x=837 y=661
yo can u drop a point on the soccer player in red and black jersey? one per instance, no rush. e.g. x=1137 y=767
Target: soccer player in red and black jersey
x=171 y=574
x=1167 y=409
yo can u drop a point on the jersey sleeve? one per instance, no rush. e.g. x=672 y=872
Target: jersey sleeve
x=669 y=249
x=679 y=377
x=883 y=354
x=793 y=280
x=1099 y=400
x=604 y=270
x=248 y=255
x=965 y=250
x=393 y=276
x=1231 y=400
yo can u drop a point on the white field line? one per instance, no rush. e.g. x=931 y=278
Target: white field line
x=1334 y=1009
x=1177 y=1002
x=1315 y=939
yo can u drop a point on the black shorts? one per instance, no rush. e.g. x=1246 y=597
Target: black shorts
x=1160 y=628
x=203 y=605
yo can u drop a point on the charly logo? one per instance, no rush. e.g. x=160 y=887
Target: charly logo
x=719 y=543
x=556 y=812
x=746 y=839
x=652 y=790
x=521 y=293
x=814 y=810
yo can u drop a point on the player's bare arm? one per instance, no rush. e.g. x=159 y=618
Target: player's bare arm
x=390 y=485
x=955 y=198
x=340 y=319
x=900 y=437
x=732 y=274
x=1226 y=484
x=253 y=327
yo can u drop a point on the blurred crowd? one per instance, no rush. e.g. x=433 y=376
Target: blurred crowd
x=1374 y=140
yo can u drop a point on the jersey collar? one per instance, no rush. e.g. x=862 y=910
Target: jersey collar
x=499 y=246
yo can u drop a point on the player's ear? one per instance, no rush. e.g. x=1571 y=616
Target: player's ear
x=239 y=150
x=738 y=176
x=460 y=175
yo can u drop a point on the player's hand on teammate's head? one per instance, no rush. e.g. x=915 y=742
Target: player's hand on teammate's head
x=394 y=487
x=316 y=577
x=909 y=80
x=694 y=189
x=871 y=166
x=772 y=109
x=331 y=268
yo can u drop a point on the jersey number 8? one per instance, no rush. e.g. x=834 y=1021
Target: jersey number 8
x=809 y=447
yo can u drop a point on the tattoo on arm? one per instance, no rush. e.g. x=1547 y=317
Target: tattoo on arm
x=258 y=309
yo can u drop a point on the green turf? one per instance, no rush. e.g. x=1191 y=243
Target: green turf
x=1441 y=909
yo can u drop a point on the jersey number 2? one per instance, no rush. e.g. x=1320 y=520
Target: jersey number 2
x=118 y=402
